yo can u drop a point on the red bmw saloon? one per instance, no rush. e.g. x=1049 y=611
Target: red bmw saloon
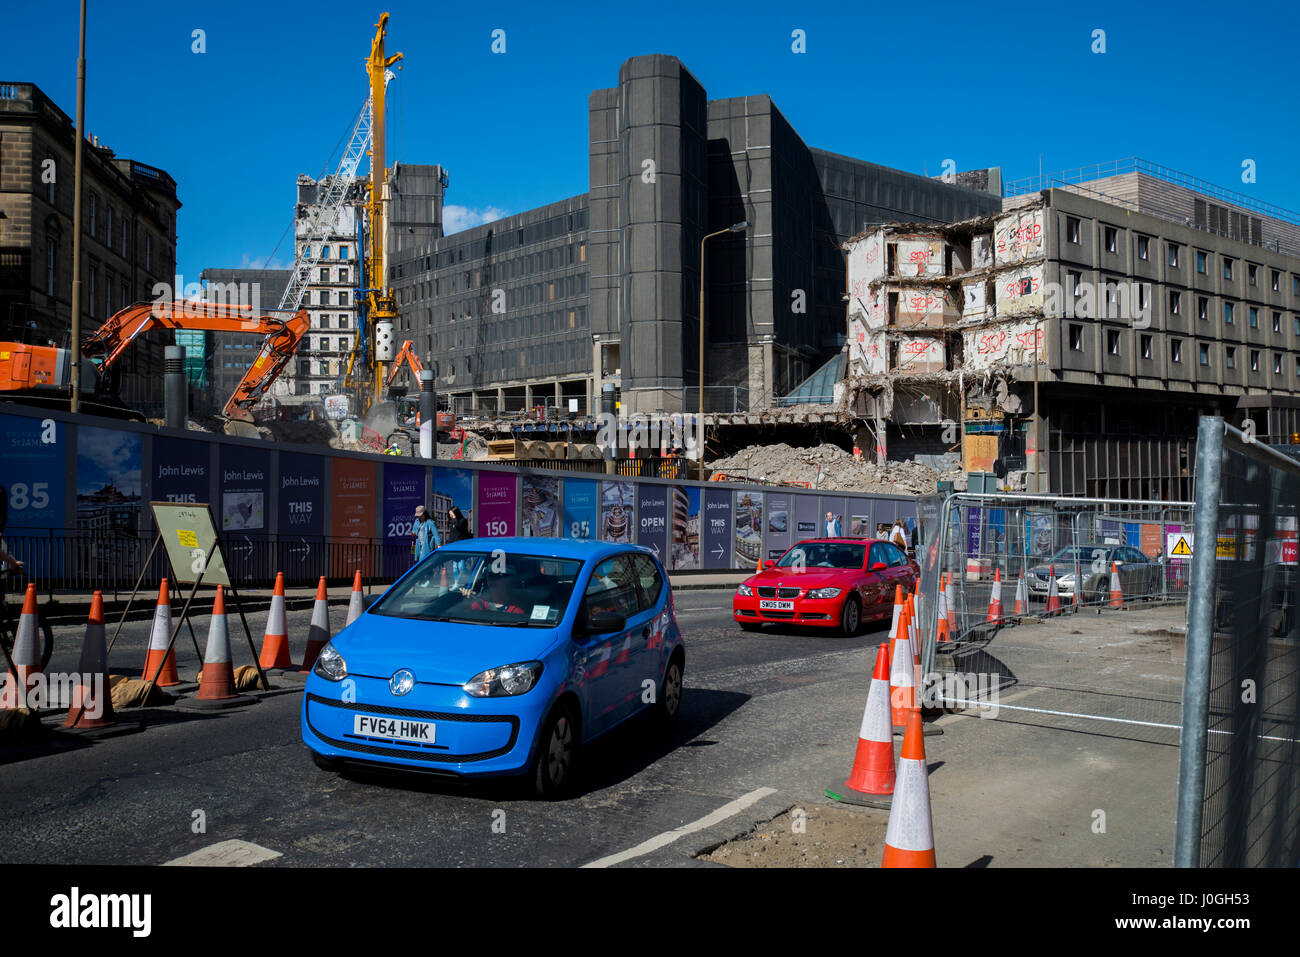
x=828 y=583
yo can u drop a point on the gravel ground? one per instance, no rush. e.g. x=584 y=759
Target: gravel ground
x=809 y=837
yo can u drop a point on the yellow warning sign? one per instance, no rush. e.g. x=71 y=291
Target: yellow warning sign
x=1181 y=548
x=1225 y=547
x=187 y=538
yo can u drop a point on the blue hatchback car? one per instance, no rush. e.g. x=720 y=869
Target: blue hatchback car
x=499 y=656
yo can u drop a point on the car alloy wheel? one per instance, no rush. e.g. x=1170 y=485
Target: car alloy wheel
x=557 y=754
x=670 y=696
x=850 y=617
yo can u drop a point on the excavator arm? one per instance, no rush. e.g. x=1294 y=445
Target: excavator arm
x=283 y=335
x=406 y=357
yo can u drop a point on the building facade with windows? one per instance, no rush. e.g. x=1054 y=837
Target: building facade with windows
x=128 y=238
x=1138 y=302
x=598 y=295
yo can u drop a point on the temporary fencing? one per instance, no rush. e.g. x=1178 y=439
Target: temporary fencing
x=1239 y=768
x=1000 y=558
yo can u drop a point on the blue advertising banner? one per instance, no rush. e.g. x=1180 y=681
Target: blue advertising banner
x=245 y=489
x=974 y=526
x=684 y=541
x=301 y=509
x=108 y=480
x=402 y=490
x=180 y=470
x=748 y=524
x=652 y=524
x=777 y=537
x=715 y=529
x=33 y=452
x=580 y=508
x=452 y=487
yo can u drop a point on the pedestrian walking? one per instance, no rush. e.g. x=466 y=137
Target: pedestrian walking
x=457 y=525
x=426 y=534
x=898 y=535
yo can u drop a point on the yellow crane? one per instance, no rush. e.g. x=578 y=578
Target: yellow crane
x=380 y=308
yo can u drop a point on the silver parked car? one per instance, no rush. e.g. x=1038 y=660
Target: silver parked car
x=1139 y=575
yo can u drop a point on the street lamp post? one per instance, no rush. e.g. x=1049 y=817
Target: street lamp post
x=74 y=350
x=735 y=228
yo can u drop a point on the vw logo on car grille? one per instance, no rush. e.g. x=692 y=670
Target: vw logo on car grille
x=401 y=682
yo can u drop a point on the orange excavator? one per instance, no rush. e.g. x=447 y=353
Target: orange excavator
x=408 y=408
x=26 y=369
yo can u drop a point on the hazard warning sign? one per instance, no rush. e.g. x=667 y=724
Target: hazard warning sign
x=1178 y=544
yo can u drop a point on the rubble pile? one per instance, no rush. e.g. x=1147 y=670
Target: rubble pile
x=839 y=470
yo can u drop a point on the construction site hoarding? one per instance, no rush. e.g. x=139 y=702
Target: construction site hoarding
x=310 y=513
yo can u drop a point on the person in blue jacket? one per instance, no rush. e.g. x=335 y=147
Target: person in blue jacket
x=426 y=534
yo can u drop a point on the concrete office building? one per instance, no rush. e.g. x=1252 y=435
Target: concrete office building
x=128 y=241
x=600 y=291
x=1147 y=297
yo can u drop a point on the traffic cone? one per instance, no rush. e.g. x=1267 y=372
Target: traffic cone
x=995 y=597
x=319 y=632
x=952 y=603
x=357 y=603
x=902 y=681
x=1022 y=595
x=898 y=611
x=901 y=633
x=26 y=655
x=941 y=632
x=92 y=705
x=275 y=643
x=159 y=641
x=1116 y=592
x=1053 y=595
x=873 y=762
x=909 y=836
x=218 y=680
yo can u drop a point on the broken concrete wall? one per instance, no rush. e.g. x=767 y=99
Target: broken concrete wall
x=1011 y=342
x=1019 y=291
x=975 y=301
x=920 y=354
x=864 y=263
x=918 y=256
x=1018 y=236
x=866 y=349
x=928 y=307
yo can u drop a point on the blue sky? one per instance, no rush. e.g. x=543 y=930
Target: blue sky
x=907 y=86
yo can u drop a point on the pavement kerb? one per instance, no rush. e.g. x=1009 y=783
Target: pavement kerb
x=683 y=851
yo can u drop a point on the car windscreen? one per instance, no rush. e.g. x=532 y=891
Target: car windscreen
x=484 y=588
x=824 y=555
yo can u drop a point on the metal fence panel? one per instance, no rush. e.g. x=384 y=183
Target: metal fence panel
x=1239 y=778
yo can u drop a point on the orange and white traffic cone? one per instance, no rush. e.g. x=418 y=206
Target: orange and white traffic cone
x=1053 y=606
x=357 y=601
x=26 y=656
x=275 y=643
x=898 y=611
x=909 y=836
x=873 y=762
x=92 y=705
x=218 y=681
x=1116 y=592
x=1022 y=596
x=900 y=632
x=941 y=632
x=902 y=681
x=160 y=653
x=995 y=597
x=319 y=632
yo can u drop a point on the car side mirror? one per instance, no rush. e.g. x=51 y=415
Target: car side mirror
x=601 y=622
x=770 y=563
x=878 y=566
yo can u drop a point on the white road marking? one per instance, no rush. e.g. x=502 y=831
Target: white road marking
x=226 y=854
x=668 y=837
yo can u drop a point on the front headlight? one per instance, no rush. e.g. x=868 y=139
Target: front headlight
x=505 y=681
x=330 y=664
x=824 y=593
x=744 y=591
